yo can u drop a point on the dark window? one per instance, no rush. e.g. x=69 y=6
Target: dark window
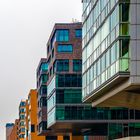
x=78 y=33
x=69 y=80
x=32 y=128
x=66 y=138
x=137 y=114
x=51 y=138
x=65 y=48
x=62 y=65
x=77 y=65
x=43 y=90
x=62 y=35
x=43 y=102
x=124 y=12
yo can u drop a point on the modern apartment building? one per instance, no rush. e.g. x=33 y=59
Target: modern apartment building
x=64 y=77
x=9 y=127
x=42 y=77
x=111 y=53
x=22 y=108
x=32 y=117
x=66 y=114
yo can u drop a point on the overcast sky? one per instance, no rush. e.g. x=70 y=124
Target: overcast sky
x=25 y=26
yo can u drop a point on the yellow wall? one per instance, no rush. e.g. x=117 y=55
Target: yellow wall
x=33 y=114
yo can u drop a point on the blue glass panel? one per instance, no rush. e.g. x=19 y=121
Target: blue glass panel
x=62 y=35
x=78 y=33
x=64 y=48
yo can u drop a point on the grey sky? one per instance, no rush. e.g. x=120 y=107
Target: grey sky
x=25 y=26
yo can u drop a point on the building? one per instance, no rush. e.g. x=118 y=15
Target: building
x=9 y=127
x=26 y=120
x=42 y=74
x=67 y=116
x=32 y=117
x=64 y=77
x=111 y=54
x=14 y=132
x=22 y=108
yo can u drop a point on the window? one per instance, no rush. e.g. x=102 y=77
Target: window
x=78 y=33
x=124 y=43
x=77 y=65
x=21 y=136
x=22 y=129
x=51 y=102
x=113 y=54
x=43 y=90
x=62 y=65
x=64 y=48
x=43 y=125
x=66 y=138
x=22 y=117
x=51 y=137
x=43 y=79
x=32 y=128
x=124 y=12
x=43 y=101
x=69 y=80
x=51 y=86
x=68 y=96
x=44 y=66
x=62 y=35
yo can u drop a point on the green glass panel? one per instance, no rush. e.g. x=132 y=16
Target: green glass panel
x=137 y=125
x=124 y=64
x=60 y=113
x=124 y=29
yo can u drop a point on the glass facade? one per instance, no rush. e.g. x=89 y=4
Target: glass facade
x=105 y=42
x=116 y=131
x=64 y=89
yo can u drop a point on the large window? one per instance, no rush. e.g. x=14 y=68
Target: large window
x=32 y=128
x=62 y=35
x=62 y=65
x=65 y=48
x=77 y=65
x=51 y=86
x=69 y=80
x=51 y=117
x=68 y=96
x=51 y=102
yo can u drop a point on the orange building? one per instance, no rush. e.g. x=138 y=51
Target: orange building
x=32 y=117
x=14 y=132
